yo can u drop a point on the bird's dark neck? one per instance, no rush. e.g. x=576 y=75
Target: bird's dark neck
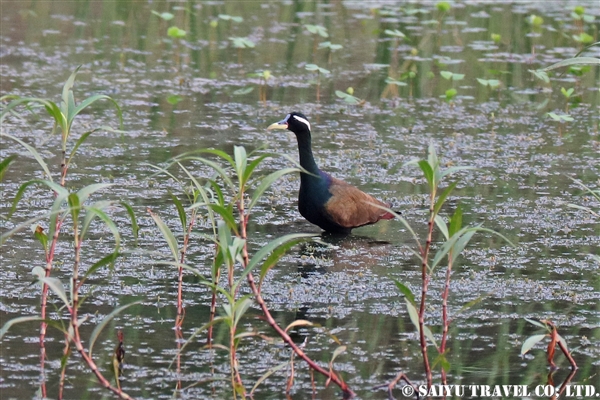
x=307 y=160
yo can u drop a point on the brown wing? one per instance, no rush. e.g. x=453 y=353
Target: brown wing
x=350 y=208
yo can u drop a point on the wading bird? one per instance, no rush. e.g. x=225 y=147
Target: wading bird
x=332 y=204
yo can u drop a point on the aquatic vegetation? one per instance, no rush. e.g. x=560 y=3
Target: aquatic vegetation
x=332 y=47
x=176 y=33
x=241 y=43
x=320 y=71
x=70 y=212
x=452 y=77
x=234 y=18
x=228 y=202
x=391 y=88
x=317 y=31
x=555 y=339
x=264 y=77
x=456 y=237
x=345 y=288
x=348 y=96
x=492 y=83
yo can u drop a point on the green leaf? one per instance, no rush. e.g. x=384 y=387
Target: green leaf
x=398 y=217
x=252 y=166
x=106 y=260
x=242 y=42
x=567 y=93
x=239 y=309
x=74 y=206
x=275 y=256
x=5 y=163
x=442 y=361
x=530 y=342
x=180 y=211
x=175 y=32
x=573 y=61
x=33 y=152
x=266 y=182
x=61 y=192
x=85 y=192
x=215 y=166
x=167 y=234
x=392 y=81
x=461 y=243
x=443 y=6
x=227 y=215
x=67 y=95
x=241 y=160
x=446 y=74
x=53 y=283
x=405 y=290
x=174 y=99
x=442 y=198
x=441 y=224
x=98 y=329
x=540 y=74
x=96 y=210
x=455 y=222
x=271 y=247
x=167 y=16
x=92 y=99
x=39 y=234
x=394 y=32
x=267 y=374
x=243 y=91
x=536 y=323
x=427 y=172
x=450 y=94
x=77 y=144
x=14 y=321
x=6 y=235
x=412 y=313
x=134 y=225
x=317 y=30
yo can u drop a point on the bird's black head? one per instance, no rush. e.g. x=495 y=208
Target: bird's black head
x=295 y=122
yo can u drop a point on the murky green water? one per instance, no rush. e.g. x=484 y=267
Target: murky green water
x=521 y=188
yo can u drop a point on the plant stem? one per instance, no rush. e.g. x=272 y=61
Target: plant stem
x=44 y=302
x=331 y=376
x=75 y=323
x=48 y=270
x=186 y=239
x=66 y=353
x=213 y=305
x=425 y=284
x=445 y=322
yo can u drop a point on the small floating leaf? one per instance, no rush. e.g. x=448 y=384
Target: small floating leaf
x=243 y=91
x=167 y=16
x=394 y=32
x=175 y=32
x=174 y=99
x=443 y=6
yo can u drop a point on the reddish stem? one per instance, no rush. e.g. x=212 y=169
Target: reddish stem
x=445 y=321
x=186 y=239
x=331 y=376
x=75 y=325
x=425 y=284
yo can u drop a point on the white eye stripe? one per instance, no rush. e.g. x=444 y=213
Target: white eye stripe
x=304 y=121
